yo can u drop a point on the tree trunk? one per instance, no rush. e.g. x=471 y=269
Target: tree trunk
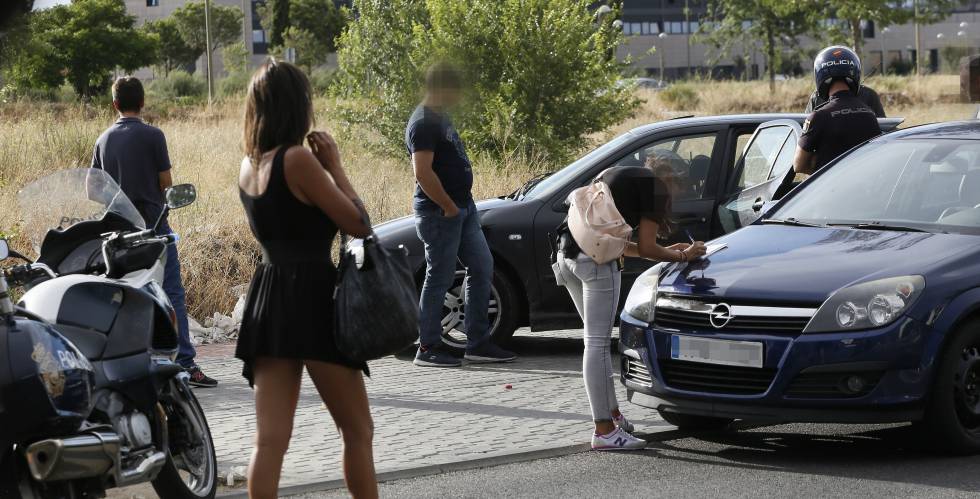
x=771 y=56
x=857 y=37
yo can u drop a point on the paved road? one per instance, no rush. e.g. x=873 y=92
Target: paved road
x=425 y=416
x=780 y=461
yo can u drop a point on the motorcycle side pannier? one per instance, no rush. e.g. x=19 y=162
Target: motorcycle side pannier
x=45 y=382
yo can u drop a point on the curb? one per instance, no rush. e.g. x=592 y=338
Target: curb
x=659 y=434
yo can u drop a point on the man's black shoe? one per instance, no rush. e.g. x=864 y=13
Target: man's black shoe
x=198 y=378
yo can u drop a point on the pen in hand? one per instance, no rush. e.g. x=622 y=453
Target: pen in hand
x=689 y=236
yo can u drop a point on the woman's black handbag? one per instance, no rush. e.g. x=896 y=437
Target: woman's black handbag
x=376 y=303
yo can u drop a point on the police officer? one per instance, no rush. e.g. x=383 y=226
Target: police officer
x=865 y=94
x=844 y=121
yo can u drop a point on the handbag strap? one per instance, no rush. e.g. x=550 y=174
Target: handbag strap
x=345 y=237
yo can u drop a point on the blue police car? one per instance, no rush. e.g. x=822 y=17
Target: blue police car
x=854 y=299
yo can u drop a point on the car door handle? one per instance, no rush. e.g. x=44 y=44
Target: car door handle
x=758 y=204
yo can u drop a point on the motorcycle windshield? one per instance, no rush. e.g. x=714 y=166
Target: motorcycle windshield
x=68 y=197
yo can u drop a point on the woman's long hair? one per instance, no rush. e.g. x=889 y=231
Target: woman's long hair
x=278 y=109
x=664 y=172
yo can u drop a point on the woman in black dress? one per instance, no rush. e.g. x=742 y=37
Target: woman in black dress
x=296 y=199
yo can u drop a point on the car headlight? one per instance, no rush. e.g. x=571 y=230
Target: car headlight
x=641 y=301
x=867 y=305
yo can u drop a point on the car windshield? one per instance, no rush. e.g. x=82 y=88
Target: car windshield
x=930 y=185
x=68 y=197
x=553 y=183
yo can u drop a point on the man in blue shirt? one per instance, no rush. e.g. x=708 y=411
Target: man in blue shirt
x=135 y=155
x=448 y=224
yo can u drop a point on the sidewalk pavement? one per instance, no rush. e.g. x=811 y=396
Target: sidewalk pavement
x=425 y=417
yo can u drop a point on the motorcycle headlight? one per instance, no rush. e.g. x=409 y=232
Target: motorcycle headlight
x=867 y=305
x=641 y=301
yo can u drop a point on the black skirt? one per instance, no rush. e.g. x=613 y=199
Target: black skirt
x=289 y=314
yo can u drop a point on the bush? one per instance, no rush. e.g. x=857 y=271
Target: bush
x=680 y=96
x=322 y=79
x=542 y=73
x=234 y=84
x=901 y=67
x=179 y=85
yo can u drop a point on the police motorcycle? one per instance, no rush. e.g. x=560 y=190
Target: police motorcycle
x=90 y=395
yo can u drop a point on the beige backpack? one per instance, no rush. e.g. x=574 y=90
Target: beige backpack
x=596 y=224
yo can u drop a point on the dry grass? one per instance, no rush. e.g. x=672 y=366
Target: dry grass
x=218 y=252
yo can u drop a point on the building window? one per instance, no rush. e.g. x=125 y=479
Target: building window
x=152 y=3
x=675 y=27
x=258 y=36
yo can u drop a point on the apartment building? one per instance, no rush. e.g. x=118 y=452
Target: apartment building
x=669 y=26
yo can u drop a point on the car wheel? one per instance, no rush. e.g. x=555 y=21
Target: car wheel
x=693 y=422
x=952 y=417
x=503 y=311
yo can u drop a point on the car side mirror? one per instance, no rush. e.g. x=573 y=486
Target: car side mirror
x=4 y=249
x=180 y=196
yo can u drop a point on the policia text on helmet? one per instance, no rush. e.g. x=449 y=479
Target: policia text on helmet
x=844 y=121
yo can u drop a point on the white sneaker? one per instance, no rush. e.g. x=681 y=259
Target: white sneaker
x=625 y=424
x=619 y=439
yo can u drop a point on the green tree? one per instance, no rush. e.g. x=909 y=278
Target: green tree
x=884 y=13
x=226 y=26
x=540 y=73
x=776 y=24
x=274 y=16
x=320 y=20
x=82 y=42
x=236 y=57
x=310 y=53
x=172 y=51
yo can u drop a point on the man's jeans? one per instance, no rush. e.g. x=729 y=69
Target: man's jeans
x=173 y=285
x=446 y=241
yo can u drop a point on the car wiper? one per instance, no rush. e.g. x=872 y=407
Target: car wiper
x=881 y=226
x=519 y=193
x=790 y=221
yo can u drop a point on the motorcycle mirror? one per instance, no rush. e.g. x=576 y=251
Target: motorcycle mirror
x=4 y=249
x=180 y=196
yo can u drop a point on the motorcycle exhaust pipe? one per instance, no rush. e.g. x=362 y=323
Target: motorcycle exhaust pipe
x=82 y=456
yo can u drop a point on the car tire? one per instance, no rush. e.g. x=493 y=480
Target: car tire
x=952 y=416
x=691 y=422
x=508 y=306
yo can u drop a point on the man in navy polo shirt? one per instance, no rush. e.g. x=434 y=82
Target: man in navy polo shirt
x=135 y=155
x=448 y=224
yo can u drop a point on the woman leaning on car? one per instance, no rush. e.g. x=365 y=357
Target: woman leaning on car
x=642 y=195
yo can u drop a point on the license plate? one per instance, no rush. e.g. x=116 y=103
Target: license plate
x=712 y=351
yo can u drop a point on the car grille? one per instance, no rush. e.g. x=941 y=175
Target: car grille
x=831 y=385
x=635 y=371
x=688 y=313
x=710 y=378
x=683 y=319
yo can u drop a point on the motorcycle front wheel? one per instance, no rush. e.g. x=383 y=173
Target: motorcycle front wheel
x=191 y=471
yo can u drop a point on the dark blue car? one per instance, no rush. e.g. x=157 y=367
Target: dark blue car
x=855 y=299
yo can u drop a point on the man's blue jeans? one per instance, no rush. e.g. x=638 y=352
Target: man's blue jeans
x=173 y=285
x=446 y=241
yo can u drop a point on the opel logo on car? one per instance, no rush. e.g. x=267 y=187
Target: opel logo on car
x=720 y=316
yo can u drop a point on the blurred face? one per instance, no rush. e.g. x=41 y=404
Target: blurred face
x=447 y=97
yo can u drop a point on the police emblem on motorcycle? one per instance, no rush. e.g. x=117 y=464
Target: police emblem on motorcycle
x=720 y=316
x=49 y=370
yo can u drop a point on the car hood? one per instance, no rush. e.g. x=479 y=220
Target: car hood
x=804 y=265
